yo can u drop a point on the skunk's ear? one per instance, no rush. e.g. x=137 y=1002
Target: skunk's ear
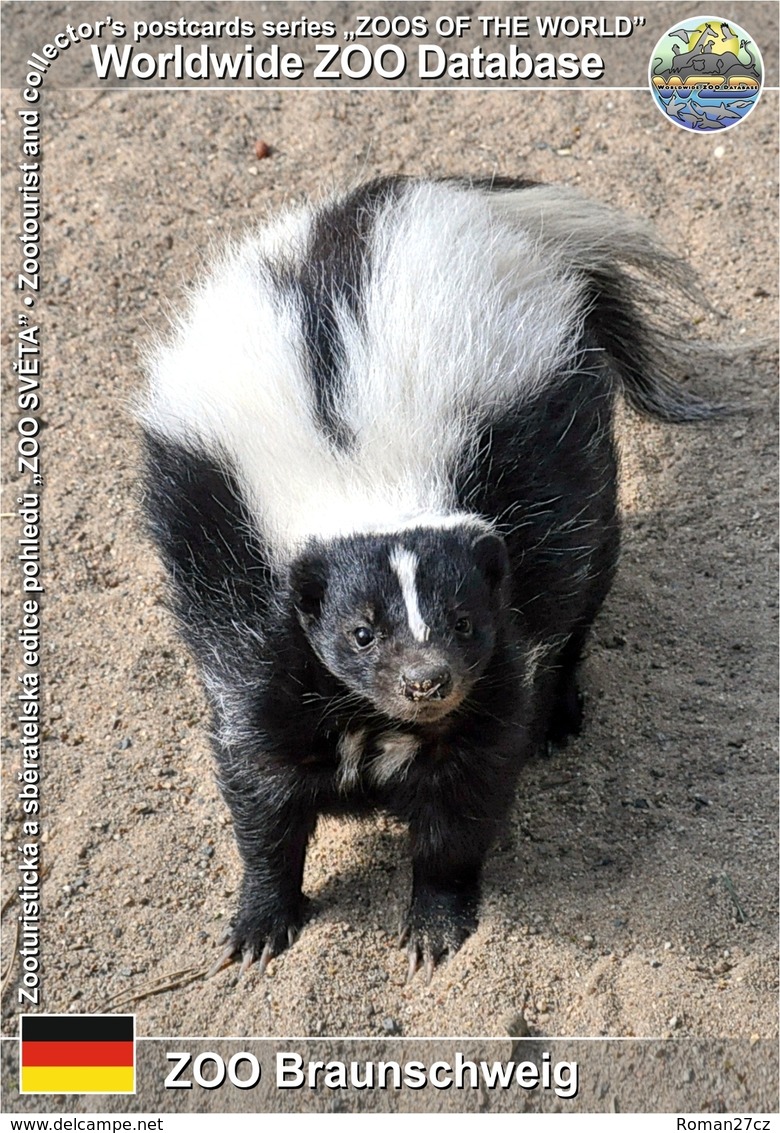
x=492 y=559
x=308 y=583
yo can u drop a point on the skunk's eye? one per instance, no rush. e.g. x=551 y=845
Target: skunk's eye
x=463 y=627
x=363 y=636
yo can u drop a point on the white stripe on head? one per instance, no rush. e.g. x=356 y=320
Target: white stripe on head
x=405 y=564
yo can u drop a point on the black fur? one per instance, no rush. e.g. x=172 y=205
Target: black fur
x=335 y=271
x=293 y=690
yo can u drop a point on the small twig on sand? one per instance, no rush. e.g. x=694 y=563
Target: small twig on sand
x=170 y=982
x=728 y=885
x=84 y=109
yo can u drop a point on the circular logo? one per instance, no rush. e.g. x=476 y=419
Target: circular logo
x=706 y=74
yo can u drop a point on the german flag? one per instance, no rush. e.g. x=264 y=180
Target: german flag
x=77 y=1054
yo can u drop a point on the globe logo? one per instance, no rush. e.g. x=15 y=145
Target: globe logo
x=706 y=74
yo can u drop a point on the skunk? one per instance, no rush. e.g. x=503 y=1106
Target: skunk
x=381 y=473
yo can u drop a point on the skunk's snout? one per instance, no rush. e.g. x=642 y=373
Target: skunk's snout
x=424 y=682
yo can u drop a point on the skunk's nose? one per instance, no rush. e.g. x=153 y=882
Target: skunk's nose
x=422 y=682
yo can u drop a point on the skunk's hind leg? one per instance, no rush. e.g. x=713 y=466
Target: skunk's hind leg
x=565 y=701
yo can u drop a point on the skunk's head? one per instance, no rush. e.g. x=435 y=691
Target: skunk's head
x=407 y=621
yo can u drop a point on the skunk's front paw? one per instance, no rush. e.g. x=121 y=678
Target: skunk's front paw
x=438 y=922
x=258 y=936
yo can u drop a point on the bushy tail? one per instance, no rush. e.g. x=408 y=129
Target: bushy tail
x=640 y=295
x=648 y=358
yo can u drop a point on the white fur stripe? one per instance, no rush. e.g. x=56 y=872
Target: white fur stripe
x=394 y=756
x=405 y=564
x=501 y=304
x=350 y=750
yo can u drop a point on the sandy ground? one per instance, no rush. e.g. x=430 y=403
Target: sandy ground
x=635 y=892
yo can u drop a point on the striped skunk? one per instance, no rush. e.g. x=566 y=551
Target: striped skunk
x=381 y=473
